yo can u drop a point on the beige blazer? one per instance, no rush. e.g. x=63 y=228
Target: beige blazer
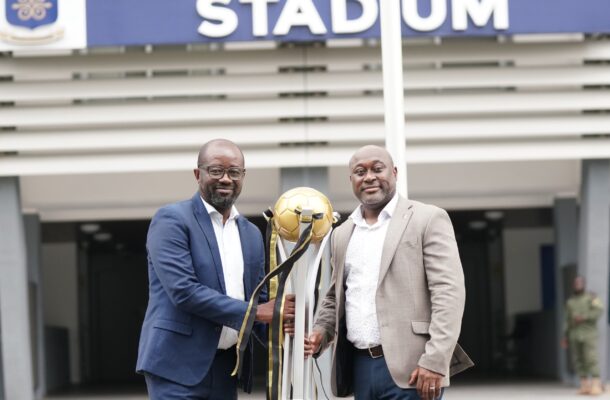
x=420 y=298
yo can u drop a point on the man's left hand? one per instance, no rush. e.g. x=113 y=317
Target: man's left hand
x=428 y=383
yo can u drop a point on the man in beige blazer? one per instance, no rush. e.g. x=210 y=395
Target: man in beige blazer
x=395 y=304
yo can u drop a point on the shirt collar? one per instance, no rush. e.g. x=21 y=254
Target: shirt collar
x=212 y=211
x=384 y=215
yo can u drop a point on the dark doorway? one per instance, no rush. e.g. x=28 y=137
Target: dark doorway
x=118 y=302
x=476 y=335
x=495 y=351
x=115 y=294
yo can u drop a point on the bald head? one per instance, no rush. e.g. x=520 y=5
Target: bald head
x=216 y=146
x=373 y=177
x=372 y=152
x=216 y=157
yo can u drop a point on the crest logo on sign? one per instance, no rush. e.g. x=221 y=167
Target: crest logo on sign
x=31 y=22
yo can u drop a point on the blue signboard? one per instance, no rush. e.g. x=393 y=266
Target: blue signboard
x=139 y=22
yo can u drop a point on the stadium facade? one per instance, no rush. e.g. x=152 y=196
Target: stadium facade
x=104 y=104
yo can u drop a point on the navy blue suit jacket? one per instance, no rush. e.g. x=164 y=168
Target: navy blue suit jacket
x=188 y=305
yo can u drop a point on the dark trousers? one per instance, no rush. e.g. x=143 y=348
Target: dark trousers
x=372 y=380
x=218 y=384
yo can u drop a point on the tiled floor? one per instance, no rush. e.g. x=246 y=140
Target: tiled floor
x=515 y=391
x=495 y=391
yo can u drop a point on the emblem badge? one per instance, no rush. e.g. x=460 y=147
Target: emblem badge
x=31 y=22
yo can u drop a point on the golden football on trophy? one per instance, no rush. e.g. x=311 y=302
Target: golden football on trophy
x=287 y=213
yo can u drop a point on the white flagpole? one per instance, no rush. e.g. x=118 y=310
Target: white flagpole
x=393 y=88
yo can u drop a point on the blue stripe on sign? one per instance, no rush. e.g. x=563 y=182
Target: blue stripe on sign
x=139 y=22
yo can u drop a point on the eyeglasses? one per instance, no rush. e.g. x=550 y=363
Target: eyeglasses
x=217 y=172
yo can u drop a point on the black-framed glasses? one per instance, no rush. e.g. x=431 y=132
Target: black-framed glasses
x=216 y=172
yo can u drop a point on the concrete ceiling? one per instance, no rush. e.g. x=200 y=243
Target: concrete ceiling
x=452 y=186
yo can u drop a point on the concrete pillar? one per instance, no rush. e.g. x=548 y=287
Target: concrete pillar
x=594 y=247
x=14 y=309
x=33 y=240
x=565 y=215
x=2 y=396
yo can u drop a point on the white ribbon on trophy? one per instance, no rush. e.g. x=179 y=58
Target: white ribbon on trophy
x=298 y=372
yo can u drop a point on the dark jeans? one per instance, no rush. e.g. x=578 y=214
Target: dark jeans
x=218 y=384
x=372 y=380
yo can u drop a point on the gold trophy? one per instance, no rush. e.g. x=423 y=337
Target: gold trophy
x=294 y=211
x=298 y=230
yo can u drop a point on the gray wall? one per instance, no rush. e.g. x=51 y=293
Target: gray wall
x=33 y=247
x=522 y=270
x=59 y=261
x=2 y=397
x=594 y=248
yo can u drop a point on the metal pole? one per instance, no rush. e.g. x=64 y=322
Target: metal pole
x=393 y=88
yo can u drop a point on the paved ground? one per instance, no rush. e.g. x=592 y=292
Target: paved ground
x=495 y=391
x=516 y=391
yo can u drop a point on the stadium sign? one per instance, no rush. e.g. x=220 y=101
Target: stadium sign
x=73 y=24
x=220 y=20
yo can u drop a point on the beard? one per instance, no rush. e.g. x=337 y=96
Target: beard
x=379 y=199
x=221 y=202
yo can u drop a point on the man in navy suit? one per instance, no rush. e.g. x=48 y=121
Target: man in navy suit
x=204 y=262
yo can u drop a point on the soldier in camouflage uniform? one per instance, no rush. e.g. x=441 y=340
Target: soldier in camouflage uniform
x=582 y=312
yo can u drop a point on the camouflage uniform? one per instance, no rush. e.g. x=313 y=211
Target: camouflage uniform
x=582 y=337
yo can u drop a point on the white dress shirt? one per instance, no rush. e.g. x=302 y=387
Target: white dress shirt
x=362 y=262
x=229 y=246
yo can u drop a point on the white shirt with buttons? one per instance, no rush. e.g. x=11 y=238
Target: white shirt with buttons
x=362 y=262
x=229 y=246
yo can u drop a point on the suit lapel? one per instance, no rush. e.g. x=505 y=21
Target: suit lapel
x=343 y=235
x=398 y=224
x=342 y=240
x=247 y=254
x=205 y=223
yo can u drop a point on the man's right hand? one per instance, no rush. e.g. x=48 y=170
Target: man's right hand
x=312 y=343
x=264 y=312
